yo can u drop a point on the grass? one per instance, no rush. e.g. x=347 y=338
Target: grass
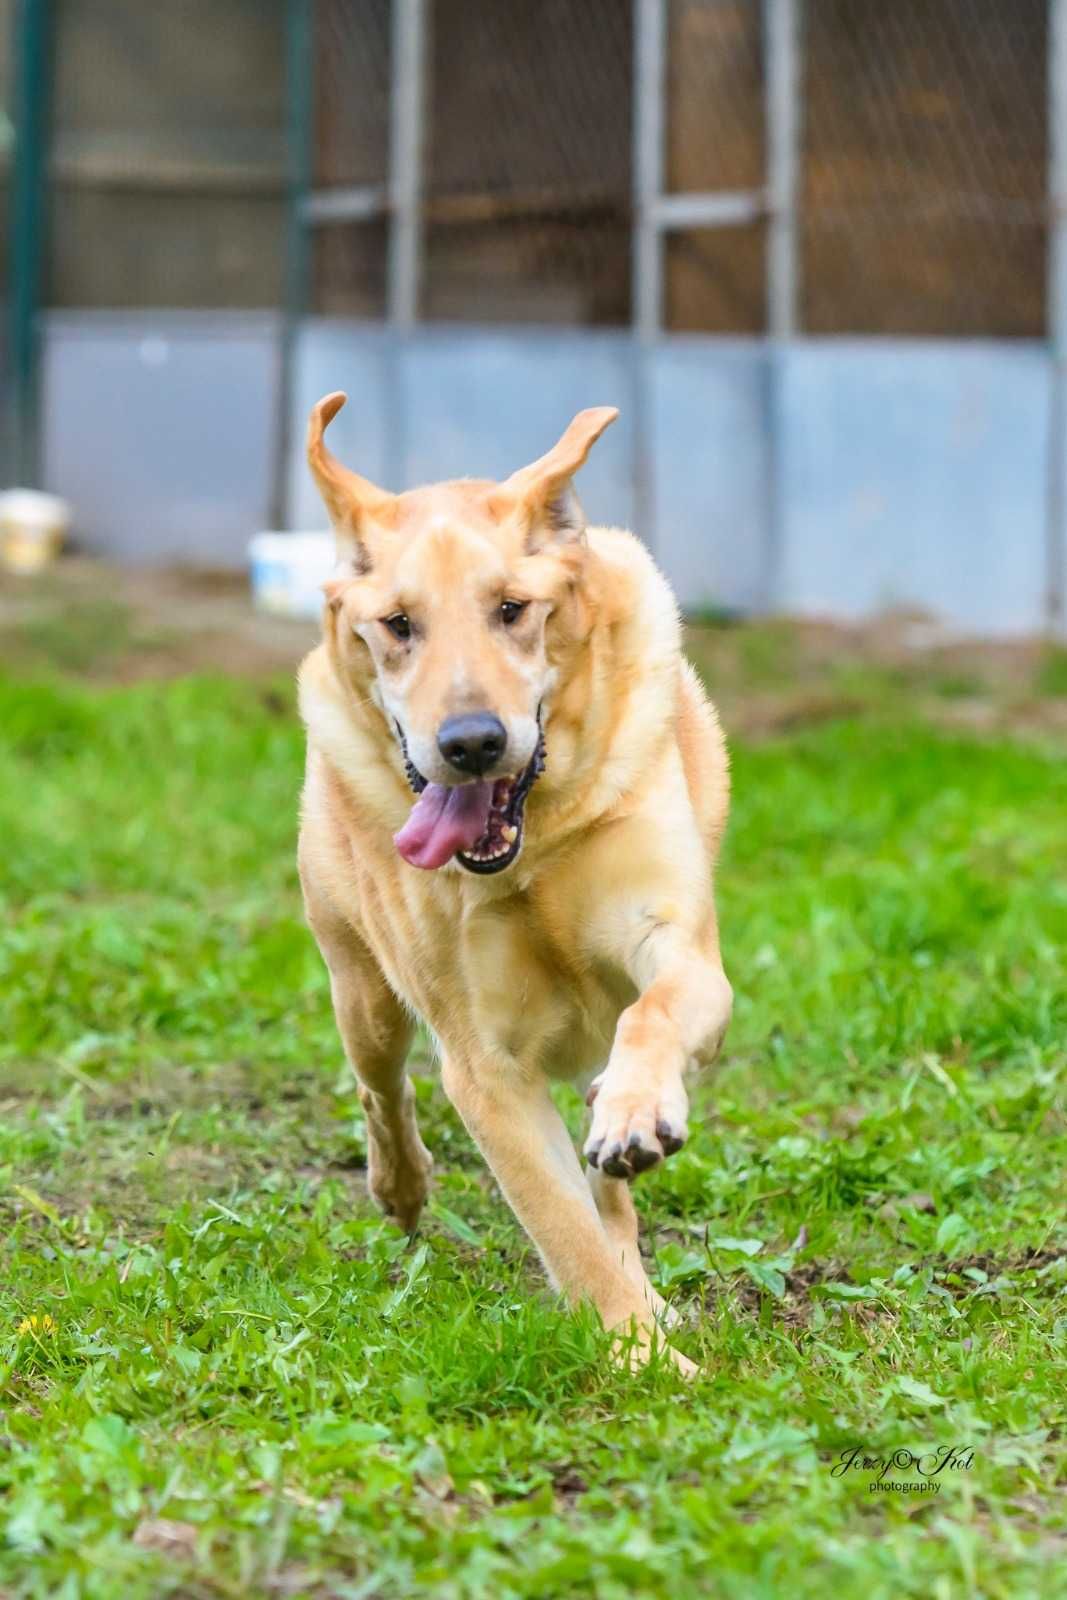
x=221 y=1374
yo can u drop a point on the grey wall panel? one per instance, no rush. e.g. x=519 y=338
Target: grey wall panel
x=915 y=475
x=159 y=429
x=710 y=469
x=481 y=403
x=905 y=474
x=478 y=402
x=470 y=403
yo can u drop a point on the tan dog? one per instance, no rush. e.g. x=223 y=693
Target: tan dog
x=545 y=903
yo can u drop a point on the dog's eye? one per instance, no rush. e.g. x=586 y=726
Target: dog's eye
x=511 y=611
x=399 y=625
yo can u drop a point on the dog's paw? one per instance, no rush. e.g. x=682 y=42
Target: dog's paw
x=630 y=1132
x=633 y=1355
x=685 y=1367
x=400 y=1188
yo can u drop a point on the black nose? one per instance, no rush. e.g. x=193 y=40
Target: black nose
x=473 y=743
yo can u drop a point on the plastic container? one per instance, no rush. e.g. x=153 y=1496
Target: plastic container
x=33 y=527
x=288 y=571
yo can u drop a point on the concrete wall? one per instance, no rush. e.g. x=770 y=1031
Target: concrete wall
x=448 y=403
x=159 y=428
x=832 y=477
x=916 y=474
x=829 y=477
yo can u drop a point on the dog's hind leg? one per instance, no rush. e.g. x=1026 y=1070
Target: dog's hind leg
x=513 y=1120
x=376 y=1033
x=618 y=1217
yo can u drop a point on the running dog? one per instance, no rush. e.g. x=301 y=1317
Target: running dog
x=515 y=794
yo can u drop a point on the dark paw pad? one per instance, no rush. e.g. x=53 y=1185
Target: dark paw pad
x=640 y=1156
x=615 y=1162
x=669 y=1138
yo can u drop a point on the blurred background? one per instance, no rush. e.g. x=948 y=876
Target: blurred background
x=813 y=249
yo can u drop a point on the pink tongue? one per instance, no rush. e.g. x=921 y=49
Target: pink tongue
x=443 y=821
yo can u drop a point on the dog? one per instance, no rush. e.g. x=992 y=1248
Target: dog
x=514 y=798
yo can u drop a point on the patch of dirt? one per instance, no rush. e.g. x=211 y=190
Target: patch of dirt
x=1031 y=1516
x=778 y=675
x=767 y=715
x=568 y=1484
x=124 y=624
x=793 y=1310
x=994 y=1267
x=167 y=1536
x=770 y=677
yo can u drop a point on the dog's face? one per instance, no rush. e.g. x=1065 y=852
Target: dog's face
x=448 y=607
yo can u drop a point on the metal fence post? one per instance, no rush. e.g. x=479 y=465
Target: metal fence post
x=650 y=51
x=407 y=117
x=1056 y=550
x=32 y=75
x=299 y=74
x=650 y=64
x=405 y=176
x=407 y=113
x=781 y=24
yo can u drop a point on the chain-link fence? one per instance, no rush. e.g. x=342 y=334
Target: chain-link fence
x=923 y=202
x=920 y=163
x=714 y=141
x=349 y=93
x=526 y=167
x=167 y=154
x=920 y=198
x=8 y=421
x=756 y=170
x=7 y=134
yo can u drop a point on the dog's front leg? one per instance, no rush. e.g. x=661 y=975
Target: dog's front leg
x=514 y=1122
x=376 y=1032
x=640 y=1106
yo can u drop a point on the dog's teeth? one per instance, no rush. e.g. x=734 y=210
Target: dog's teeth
x=510 y=834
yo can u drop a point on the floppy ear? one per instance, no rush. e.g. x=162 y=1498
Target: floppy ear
x=349 y=499
x=544 y=487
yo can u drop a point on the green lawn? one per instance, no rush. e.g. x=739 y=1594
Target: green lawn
x=250 y=1385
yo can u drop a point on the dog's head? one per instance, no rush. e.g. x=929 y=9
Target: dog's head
x=451 y=605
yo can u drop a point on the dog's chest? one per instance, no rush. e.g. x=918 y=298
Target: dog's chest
x=504 y=979
x=533 y=996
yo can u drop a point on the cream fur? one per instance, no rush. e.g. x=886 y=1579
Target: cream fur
x=597 y=951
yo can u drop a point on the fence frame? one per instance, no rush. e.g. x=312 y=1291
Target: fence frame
x=656 y=214
x=31 y=57
x=1056 y=321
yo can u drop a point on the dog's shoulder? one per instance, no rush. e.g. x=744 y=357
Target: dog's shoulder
x=631 y=595
x=350 y=750
x=316 y=686
x=650 y=645
x=705 y=758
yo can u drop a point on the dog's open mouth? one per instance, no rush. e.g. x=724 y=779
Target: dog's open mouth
x=480 y=824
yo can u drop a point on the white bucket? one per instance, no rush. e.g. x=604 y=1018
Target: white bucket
x=288 y=571
x=33 y=527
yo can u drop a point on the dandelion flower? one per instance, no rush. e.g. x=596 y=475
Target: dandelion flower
x=37 y=1325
